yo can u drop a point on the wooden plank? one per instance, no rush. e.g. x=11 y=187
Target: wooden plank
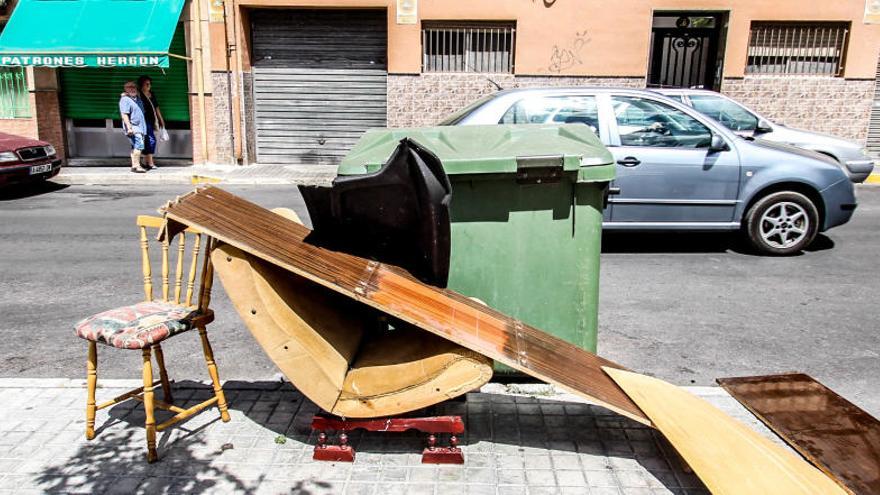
x=728 y=456
x=284 y=243
x=833 y=433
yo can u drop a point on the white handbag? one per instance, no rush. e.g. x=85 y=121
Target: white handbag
x=163 y=134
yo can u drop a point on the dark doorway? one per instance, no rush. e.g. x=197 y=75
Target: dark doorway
x=686 y=50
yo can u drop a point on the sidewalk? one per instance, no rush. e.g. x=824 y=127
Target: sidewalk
x=216 y=174
x=200 y=174
x=515 y=443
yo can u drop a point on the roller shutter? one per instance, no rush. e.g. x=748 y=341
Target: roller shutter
x=93 y=93
x=319 y=82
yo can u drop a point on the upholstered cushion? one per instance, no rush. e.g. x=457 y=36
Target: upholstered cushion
x=137 y=326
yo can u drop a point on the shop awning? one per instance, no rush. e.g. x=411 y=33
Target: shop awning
x=90 y=33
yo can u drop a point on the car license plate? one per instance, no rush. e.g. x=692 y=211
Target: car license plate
x=40 y=169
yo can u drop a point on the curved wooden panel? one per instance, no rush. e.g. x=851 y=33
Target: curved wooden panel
x=316 y=338
x=319 y=380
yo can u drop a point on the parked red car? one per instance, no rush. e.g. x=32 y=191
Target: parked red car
x=24 y=160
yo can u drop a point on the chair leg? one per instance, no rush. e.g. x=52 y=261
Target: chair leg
x=152 y=456
x=92 y=383
x=215 y=377
x=163 y=375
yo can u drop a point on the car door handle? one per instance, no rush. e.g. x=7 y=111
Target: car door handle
x=629 y=161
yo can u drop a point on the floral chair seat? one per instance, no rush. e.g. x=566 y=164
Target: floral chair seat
x=137 y=326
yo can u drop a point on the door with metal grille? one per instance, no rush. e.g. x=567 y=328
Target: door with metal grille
x=684 y=51
x=319 y=82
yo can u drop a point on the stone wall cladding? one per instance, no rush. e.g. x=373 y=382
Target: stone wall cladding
x=421 y=100
x=247 y=82
x=832 y=105
x=222 y=126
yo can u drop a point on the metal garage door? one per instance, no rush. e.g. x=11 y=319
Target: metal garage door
x=319 y=82
x=873 y=141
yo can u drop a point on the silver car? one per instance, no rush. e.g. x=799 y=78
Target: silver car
x=681 y=170
x=746 y=122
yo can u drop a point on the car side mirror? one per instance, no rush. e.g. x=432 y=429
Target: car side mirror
x=763 y=127
x=718 y=144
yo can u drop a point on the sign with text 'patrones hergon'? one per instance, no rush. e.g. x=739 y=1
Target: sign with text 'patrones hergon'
x=56 y=60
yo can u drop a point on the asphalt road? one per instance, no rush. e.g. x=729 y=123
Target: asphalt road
x=685 y=308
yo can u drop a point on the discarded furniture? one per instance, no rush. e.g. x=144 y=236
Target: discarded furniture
x=433 y=426
x=275 y=250
x=837 y=436
x=341 y=354
x=728 y=456
x=183 y=305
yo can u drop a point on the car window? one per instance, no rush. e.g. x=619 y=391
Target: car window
x=730 y=114
x=645 y=122
x=458 y=116
x=554 y=109
x=678 y=98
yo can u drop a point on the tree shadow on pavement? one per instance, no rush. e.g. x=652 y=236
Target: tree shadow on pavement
x=267 y=447
x=193 y=455
x=571 y=442
x=21 y=191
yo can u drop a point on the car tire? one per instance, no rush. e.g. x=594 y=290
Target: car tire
x=782 y=223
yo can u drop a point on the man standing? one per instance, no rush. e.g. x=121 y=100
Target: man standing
x=132 y=112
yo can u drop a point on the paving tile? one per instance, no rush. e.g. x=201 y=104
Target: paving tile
x=540 y=477
x=570 y=478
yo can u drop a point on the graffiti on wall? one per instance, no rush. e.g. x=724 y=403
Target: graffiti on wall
x=547 y=3
x=569 y=55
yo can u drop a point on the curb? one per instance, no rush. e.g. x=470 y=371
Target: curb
x=873 y=179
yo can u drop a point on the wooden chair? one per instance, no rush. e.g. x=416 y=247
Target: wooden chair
x=146 y=324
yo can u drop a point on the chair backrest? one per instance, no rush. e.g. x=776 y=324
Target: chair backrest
x=196 y=264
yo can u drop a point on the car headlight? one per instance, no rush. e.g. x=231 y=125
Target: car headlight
x=50 y=150
x=8 y=156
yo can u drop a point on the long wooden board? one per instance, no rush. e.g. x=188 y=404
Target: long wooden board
x=833 y=433
x=284 y=243
x=728 y=456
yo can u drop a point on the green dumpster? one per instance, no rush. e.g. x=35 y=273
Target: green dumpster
x=526 y=216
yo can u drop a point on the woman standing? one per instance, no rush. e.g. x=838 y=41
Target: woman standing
x=153 y=118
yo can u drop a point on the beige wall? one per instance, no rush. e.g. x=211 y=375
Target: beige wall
x=602 y=38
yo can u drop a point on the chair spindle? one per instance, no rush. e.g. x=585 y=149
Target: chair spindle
x=178 y=273
x=145 y=265
x=165 y=246
x=191 y=282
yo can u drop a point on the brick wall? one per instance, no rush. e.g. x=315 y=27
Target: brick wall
x=48 y=116
x=832 y=105
x=26 y=127
x=420 y=100
x=44 y=122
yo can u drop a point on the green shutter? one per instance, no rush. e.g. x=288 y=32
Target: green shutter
x=94 y=93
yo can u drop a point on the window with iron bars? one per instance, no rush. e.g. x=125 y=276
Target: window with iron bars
x=803 y=48
x=486 y=47
x=14 y=101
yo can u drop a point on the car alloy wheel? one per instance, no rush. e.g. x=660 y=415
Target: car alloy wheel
x=782 y=223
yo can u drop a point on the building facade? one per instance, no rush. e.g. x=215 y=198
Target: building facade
x=297 y=81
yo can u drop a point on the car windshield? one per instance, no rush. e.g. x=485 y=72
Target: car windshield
x=730 y=114
x=458 y=116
